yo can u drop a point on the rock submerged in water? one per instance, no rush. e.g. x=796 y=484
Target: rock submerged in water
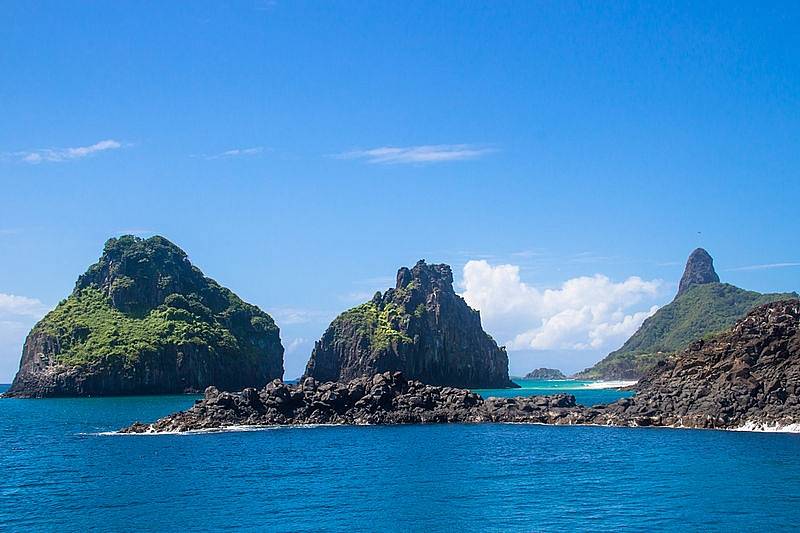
x=749 y=376
x=421 y=328
x=144 y=320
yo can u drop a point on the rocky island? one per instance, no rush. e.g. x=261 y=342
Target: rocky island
x=144 y=320
x=747 y=377
x=702 y=307
x=546 y=374
x=421 y=328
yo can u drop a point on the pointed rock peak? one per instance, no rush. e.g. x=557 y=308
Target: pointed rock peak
x=426 y=276
x=699 y=270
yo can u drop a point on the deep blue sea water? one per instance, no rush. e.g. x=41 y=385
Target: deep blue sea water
x=58 y=474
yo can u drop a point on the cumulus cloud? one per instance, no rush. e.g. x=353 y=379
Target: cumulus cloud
x=584 y=313
x=57 y=155
x=295 y=344
x=18 y=314
x=432 y=153
x=291 y=315
x=13 y=305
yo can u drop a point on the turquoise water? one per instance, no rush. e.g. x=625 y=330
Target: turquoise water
x=59 y=475
x=580 y=389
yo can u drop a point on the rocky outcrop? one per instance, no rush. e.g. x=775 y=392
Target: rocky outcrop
x=387 y=398
x=702 y=307
x=699 y=270
x=748 y=377
x=545 y=373
x=143 y=320
x=421 y=328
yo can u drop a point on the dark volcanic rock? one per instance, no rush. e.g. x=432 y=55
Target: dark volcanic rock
x=545 y=373
x=143 y=320
x=421 y=328
x=387 y=398
x=749 y=376
x=699 y=270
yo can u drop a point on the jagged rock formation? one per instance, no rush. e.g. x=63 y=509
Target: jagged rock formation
x=387 y=398
x=747 y=377
x=545 y=373
x=702 y=307
x=143 y=320
x=421 y=328
x=699 y=271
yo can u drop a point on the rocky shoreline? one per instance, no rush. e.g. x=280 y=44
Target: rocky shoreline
x=747 y=377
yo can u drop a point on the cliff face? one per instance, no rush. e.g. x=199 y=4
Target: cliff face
x=143 y=320
x=421 y=328
x=699 y=271
x=702 y=307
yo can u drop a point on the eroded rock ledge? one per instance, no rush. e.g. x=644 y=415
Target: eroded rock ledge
x=749 y=376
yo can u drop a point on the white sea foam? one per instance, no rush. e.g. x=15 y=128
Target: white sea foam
x=225 y=429
x=748 y=426
x=609 y=384
x=769 y=428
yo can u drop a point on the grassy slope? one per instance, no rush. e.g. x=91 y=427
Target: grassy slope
x=701 y=311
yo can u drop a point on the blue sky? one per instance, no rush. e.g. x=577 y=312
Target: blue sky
x=301 y=152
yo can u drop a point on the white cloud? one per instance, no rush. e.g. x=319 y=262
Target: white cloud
x=434 y=153
x=18 y=314
x=766 y=266
x=237 y=152
x=584 y=313
x=57 y=155
x=13 y=305
x=290 y=316
x=295 y=344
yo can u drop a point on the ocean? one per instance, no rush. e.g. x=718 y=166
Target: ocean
x=62 y=473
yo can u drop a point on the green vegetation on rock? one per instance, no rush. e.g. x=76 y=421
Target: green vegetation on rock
x=88 y=329
x=380 y=325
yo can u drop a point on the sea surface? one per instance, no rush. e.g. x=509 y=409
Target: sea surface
x=61 y=473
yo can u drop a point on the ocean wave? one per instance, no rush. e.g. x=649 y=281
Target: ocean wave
x=769 y=428
x=609 y=384
x=206 y=431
